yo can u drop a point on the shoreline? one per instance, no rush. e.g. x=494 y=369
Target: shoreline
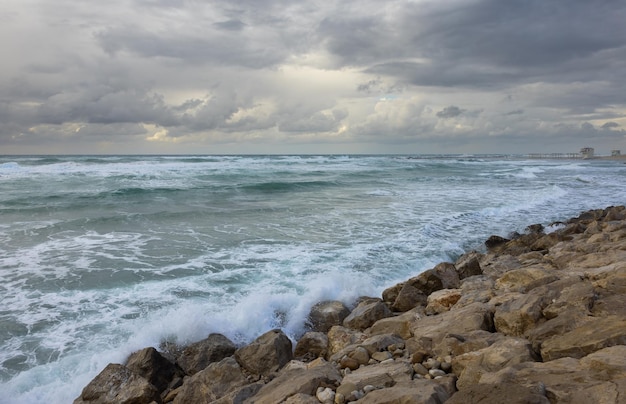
x=540 y=318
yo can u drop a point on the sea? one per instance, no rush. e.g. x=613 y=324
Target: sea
x=101 y=256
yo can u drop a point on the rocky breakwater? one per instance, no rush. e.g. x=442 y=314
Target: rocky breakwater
x=538 y=318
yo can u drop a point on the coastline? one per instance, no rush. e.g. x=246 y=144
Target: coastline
x=537 y=318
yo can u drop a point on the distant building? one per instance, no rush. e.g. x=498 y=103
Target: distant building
x=616 y=153
x=586 y=152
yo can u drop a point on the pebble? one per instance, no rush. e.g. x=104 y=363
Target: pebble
x=446 y=366
x=325 y=395
x=420 y=369
x=436 y=372
x=432 y=363
x=381 y=356
x=369 y=388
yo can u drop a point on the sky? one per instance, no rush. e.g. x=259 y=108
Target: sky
x=300 y=77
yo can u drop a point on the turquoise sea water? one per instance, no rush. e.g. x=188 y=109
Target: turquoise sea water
x=101 y=256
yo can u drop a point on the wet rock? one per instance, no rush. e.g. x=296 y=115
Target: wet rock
x=211 y=383
x=265 y=355
x=312 y=345
x=117 y=384
x=366 y=314
x=326 y=314
x=197 y=356
x=154 y=367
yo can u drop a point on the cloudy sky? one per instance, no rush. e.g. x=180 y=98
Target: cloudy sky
x=332 y=76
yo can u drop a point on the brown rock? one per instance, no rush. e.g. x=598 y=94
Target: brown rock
x=240 y=394
x=197 y=356
x=408 y=298
x=505 y=352
x=380 y=374
x=155 y=368
x=311 y=345
x=504 y=393
x=341 y=337
x=326 y=314
x=117 y=384
x=525 y=279
x=292 y=382
x=419 y=391
x=448 y=274
x=442 y=300
x=495 y=241
x=468 y=265
x=400 y=325
x=520 y=313
x=366 y=314
x=213 y=382
x=477 y=316
x=593 y=335
x=265 y=355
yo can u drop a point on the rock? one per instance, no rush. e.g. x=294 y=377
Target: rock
x=468 y=265
x=380 y=375
x=593 y=335
x=347 y=362
x=292 y=382
x=340 y=337
x=495 y=241
x=400 y=325
x=476 y=289
x=381 y=356
x=361 y=355
x=366 y=314
x=580 y=296
x=197 y=356
x=476 y=316
x=569 y=380
x=442 y=300
x=265 y=355
x=240 y=394
x=155 y=368
x=312 y=345
x=505 y=352
x=504 y=393
x=414 y=391
x=408 y=298
x=117 y=384
x=211 y=383
x=525 y=279
x=301 y=399
x=519 y=313
x=325 y=395
x=326 y=314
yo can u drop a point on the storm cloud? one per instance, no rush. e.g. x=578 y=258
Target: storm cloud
x=277 y=76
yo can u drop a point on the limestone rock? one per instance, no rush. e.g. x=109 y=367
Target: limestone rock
x=117 y=384
x=524 y=279
x=312 y=345
x=155 y=368
x=468 y=265
x=197 y=356
x=520 y=313
x=504 y=393
x=477 y=316
x=505 y=352
x=408 y=298
x=267 y=354
x=292 y=382
x=326 y=314
x=442 y=300
x=400 y=325
x=593 y=335
x=366 y=314
x=419 y=391
x=380 y=375
x=340 y=337
x=213 y=382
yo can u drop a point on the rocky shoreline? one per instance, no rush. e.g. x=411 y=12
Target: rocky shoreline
x=538 y=318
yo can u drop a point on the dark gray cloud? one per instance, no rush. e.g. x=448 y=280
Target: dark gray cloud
x=433 y=74
x=450 y=112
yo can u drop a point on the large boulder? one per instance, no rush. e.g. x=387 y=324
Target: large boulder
x=385 y=374
x=312 y=345
x=265 y=355
x=197 y=356
x=366 y=314
x=419 y=391
x=442 y=300
x=524 y=279
x=519 y=313
x=408 y=298
x=154 y=367
x=505 y=352
x=326 y=314
x=340 y=337
x=468 y=265
x=117 y=384
x=400 y=325
x=593 y=335
x=213 y=382
x=503 y=393
x=291 y=382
